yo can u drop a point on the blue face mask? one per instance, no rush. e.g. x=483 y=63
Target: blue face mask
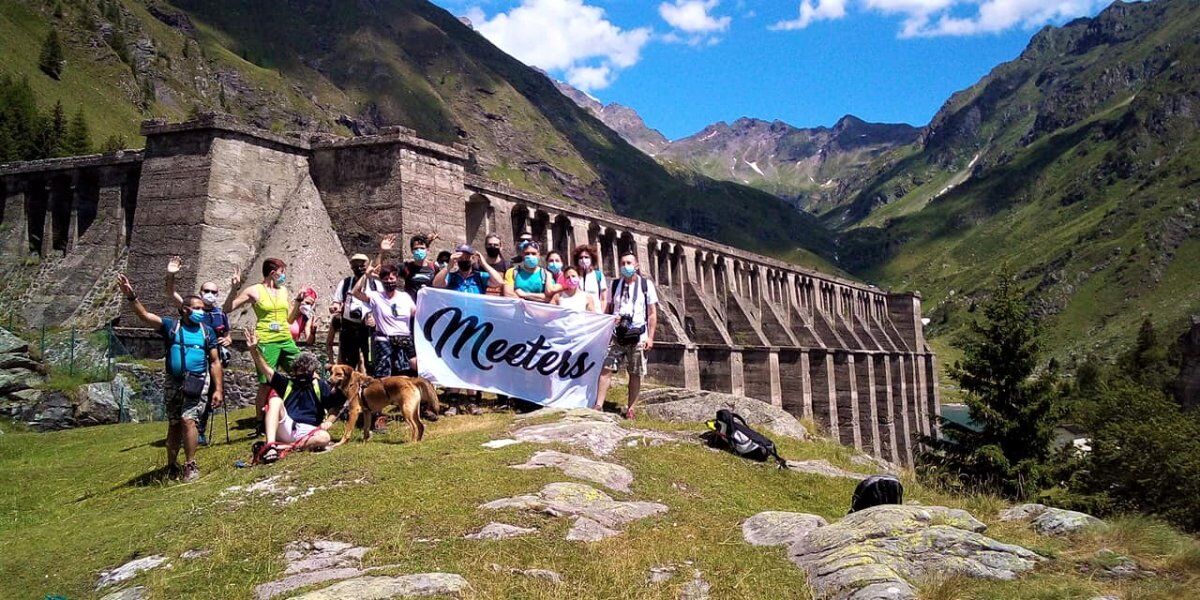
x=280 y=278
x=420 y=253
x=554 y=267
x=196 y=316
x=628 y=271
x=531 y=261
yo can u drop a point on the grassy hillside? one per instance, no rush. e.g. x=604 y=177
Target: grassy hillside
x=66 y=517
x=347 y=67
x=1074 y=167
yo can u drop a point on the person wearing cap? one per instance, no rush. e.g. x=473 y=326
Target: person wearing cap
x=217 y=320
x=354 y=336
x=419 y=272
x=468 y=272
x=523 y=240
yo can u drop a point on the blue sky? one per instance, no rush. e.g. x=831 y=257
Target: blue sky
x=683 y=64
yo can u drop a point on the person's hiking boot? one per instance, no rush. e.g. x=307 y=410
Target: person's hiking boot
x=203 y=441
x=173 y=471
x=190 y=471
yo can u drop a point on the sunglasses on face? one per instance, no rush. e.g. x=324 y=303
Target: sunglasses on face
x=209 y=292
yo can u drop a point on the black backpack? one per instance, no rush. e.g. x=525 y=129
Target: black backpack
x=876 y=490
x=731 y=429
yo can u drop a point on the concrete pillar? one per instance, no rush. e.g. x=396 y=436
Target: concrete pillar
x=856 y=430
x=16 y=225
x=906 y=426
x=935 y=423
x=890 y=411
x=917 y=393
x=640 y=247
x=776 y=385
x=831 y=390
x=691 y=368
x=111 y=202
x=550 y=236
x=48 y=224
x=806 y=385
x=579 y=227
x=737 y=372
x=876 y=447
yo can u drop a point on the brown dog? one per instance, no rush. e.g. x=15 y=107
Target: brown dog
x=374 y=395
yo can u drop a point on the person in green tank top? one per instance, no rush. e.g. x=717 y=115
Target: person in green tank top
x=274 y=311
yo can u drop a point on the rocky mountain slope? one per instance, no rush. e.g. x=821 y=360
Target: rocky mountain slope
x=1073 y=166
x=620 y=118
x=354 y=67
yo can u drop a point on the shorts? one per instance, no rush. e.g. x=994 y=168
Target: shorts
x=289 y=431
x=393 y=356
x=179 y=406
x=633 y=358
x=278 y=355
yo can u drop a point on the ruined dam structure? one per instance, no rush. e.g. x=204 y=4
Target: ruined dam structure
x=847 y=355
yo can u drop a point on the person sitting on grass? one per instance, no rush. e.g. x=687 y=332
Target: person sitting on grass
x=193 y=367
x=305 y=407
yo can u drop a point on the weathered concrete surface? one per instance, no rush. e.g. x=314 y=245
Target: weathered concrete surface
x=383 y=588
x=598 y=432
x=1047 y=520
x=774 y=528
x=679 y=405
x=881 y=552
x=609 y=475
x=499 y=531
x=582 y=502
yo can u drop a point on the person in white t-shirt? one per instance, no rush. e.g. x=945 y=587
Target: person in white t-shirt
x=590 y=275
x=572 y=295
x=633 y=301
x=392 y=346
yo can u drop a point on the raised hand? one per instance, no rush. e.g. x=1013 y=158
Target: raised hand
x=125 y=285
x=433 y=236
x=388 y=242
x=174 y=265
x=235 y=282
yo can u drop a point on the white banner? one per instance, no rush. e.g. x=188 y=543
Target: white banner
x=528 y=350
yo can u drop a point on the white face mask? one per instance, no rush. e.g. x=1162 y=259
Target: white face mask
x=209 y=298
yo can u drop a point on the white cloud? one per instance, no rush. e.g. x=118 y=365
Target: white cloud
x=566 y=36
x=692 y=16
x=813 y=10
x=928 y=18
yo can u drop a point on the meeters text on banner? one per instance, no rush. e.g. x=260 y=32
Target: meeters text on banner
x=529 y=350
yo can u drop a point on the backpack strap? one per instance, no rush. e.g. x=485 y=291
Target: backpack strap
x=287 y=392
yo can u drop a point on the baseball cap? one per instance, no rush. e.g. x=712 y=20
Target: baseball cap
x=466 y=249
x=362 y=257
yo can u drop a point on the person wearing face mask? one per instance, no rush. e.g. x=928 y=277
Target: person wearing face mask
x=392 y=348
x=528 y=280
x=192 y=368
x=494 y=250
x=462 y=274
x=274 y=312
x=523 y=240
x=634 y=308
x=352 y=316
x=216 y=319
x=304 y=406
x=592 y=278
x=304 y=328
x=554 y=264
x=418 y=272
x=572 y=295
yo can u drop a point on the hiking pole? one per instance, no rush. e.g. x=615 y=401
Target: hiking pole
x=225 y=409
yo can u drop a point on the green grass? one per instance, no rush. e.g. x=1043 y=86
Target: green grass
x=81 y=501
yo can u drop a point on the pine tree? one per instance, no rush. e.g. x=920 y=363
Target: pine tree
x=1012 y=413
x=78 y=139
x=113 y=143
x=51 y=59
x=51 y=132
x=1147 y=363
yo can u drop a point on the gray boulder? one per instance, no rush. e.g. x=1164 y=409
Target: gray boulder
x=137 y=592
x=774 y=528
x=612 y=476
x=881 y=551
x=130 y=570
x=55 y=412
x=380 y=588
x=596 y=431
x=679 y=405
x=15 y=380
x=1048 y=520
x=11 y=344
x=20 y=361
x=101 y=403
x=822 y=467
x=597 y=514
x=499 y=531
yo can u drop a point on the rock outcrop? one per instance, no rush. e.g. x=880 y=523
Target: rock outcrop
x=612 y=476
x=680 y=405
x=382 y=588
x=881 y=552
x=596 y=431
x=596 y=514
x=20 y=375
x=774 y=528
x=1048 y=520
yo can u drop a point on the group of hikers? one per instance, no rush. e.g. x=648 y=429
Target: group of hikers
x=371 y=325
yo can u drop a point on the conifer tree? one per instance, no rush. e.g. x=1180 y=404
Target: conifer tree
x=78 y=139
x=1012 y=413
x=51 y=59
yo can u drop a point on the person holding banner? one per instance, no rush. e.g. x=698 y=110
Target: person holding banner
x=572 y=296
x=594 y=282
x=462 y=275
x=528 y=280
x=635 y=306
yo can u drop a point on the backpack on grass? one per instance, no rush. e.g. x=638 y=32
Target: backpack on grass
x=876 y=490
x=731 y=429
